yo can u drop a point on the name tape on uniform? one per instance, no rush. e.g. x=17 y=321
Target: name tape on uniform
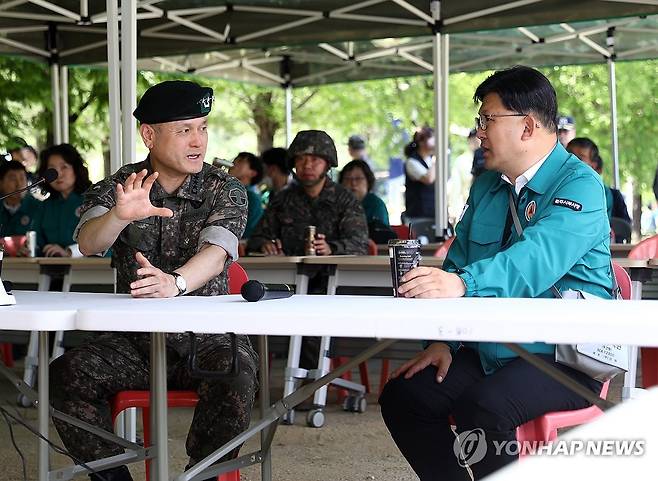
x=569 y=204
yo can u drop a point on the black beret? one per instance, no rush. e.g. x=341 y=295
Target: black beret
x=174 y=100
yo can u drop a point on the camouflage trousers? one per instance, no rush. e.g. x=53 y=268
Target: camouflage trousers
x=84 y=379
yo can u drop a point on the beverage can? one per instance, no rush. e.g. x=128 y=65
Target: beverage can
x=404 y=255
x=31 y=243
x=309 y=237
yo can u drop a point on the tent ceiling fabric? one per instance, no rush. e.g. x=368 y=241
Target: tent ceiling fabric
x=179 y=27
x=635 y=38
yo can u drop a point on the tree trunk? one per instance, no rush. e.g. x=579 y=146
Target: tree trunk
x=107 y=168
x=265 y=120
x=637 y=212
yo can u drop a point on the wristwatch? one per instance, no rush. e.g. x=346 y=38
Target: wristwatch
x=180 y=283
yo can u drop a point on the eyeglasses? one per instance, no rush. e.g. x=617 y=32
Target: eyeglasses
x=482 y=120
x=357 y=179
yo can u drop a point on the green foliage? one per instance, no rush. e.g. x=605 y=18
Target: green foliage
x=25 y=101
x=248 y=117
x=583 y=93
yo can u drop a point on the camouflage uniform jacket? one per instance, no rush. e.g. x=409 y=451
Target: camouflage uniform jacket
x=209 y=207
x=335 y=212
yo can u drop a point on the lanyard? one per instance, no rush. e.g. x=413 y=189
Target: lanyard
x=554 y=289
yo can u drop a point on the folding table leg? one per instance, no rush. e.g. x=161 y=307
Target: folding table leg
x=264 y=375
x=159 y=426
x=43 y=405
x=629 y=391
x=292 y=374
x=30 y=366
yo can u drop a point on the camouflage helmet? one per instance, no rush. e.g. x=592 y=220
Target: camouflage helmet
x=314 y=142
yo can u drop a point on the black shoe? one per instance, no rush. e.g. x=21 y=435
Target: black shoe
x=115 y=474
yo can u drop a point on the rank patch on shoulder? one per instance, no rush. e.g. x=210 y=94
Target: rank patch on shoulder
x=238 y=196
x=569 y=204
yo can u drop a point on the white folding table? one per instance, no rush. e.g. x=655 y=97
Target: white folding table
x=41 y=312
x=472 y=319
x=466 y=319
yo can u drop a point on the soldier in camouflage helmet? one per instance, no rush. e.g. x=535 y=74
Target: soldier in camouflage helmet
x=173 y=223
x=314 y=200
x=313 y=142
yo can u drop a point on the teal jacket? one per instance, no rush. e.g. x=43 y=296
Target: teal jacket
x=375 y=209
x=22 y=220
x=254 y=212
x=59 y=218
x=565 y=241
x=609 y=201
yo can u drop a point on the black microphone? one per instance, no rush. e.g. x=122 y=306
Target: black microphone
x=253 y=291
x=48 y=176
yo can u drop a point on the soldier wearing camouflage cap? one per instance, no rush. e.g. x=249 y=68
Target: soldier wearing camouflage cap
x=314 y=200
x=173 y=223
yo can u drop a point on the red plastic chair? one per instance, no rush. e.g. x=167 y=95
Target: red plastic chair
x=401 y=230
x=647 y=249
x=237 y=276
x=544 y=428
x=7 y=354
x=372 y=248
x=443 y=249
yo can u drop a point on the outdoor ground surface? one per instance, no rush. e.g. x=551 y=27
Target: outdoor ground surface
x=350 y=447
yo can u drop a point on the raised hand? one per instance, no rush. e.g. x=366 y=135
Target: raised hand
x=132 y=198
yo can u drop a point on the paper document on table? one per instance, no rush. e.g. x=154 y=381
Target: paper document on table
x=612 y=354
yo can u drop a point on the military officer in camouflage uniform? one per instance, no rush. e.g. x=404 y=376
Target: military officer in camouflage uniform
x=314 y=200
x=173 y=223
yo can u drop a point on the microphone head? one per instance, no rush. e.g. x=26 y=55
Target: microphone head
x=252 y=291
x=50 y=175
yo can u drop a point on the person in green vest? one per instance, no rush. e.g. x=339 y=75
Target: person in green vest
x=61 y=210
x=558 y=204
x=17 y=212
x=358 y=178
x=248 y=169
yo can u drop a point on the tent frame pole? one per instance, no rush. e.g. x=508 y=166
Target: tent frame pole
x=128 y=80
x=114 y=92
x=64 y=99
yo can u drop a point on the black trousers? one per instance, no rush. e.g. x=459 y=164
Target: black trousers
x=416 y=412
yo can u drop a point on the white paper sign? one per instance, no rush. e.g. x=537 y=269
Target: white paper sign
x=613 y=354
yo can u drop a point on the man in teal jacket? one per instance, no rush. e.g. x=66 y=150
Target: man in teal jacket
x=565 y=242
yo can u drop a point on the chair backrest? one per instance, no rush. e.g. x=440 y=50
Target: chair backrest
x=443 y=249
x=372 y=248
x=421 y=227
x=236 y=277
x=623 y=281
x=622 y=229
x=401 y=230
x=647 y=249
